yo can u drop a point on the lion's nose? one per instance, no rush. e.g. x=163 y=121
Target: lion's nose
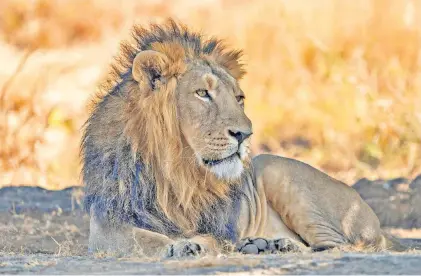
x=239 y=135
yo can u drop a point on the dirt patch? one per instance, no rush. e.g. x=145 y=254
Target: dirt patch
x=34 y=220
x=47 y=232
x=53 y=233
x=315 y=263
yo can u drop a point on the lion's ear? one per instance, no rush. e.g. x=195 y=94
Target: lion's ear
x=148 y=66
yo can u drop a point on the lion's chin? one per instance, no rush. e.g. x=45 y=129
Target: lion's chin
x=229 y=169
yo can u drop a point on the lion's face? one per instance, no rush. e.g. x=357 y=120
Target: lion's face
x=210 y=111
x=212 y=119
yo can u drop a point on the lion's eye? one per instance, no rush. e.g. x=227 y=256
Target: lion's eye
x=240 y=100
x=203 y=93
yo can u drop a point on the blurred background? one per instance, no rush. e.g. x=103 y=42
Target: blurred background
x=336 y=84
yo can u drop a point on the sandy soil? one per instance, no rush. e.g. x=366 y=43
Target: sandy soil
x=46 y=232
x=315 y=263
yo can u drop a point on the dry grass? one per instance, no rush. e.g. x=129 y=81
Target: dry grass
x=334 y=83
x=59 y=234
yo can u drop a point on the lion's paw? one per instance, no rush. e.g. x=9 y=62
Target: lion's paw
x=284 y=245
x=262 y=246
x=183 y=249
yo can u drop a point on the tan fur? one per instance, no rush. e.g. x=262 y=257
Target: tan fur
x=169 y=127
x=321 y=210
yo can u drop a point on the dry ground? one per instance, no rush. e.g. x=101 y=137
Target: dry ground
x=46 y=232
x=316 y=263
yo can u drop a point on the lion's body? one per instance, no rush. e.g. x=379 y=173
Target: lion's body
x=322 y=211
x=285 y=198
x=165 y=159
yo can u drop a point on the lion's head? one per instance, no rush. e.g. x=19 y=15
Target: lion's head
x=209 y=106
x=177 y=100
x=207 y=103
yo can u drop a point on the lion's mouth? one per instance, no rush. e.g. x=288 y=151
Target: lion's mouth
x=213 y=162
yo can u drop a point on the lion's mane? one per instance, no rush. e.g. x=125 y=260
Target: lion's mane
x=135 y=164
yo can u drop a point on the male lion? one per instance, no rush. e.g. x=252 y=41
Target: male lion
x=166 y=162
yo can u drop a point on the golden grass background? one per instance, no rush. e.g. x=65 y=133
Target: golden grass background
x=336 y=84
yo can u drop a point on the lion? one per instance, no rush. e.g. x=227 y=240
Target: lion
x=168 y=171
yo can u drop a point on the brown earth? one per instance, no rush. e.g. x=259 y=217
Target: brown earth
x=314 y=263
x=46 y=232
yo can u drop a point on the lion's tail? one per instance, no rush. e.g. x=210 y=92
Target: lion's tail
x=392 y=243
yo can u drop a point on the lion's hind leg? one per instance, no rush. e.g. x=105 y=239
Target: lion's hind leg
x=322 y=235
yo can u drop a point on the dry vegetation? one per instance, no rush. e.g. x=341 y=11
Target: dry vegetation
x=333 y=83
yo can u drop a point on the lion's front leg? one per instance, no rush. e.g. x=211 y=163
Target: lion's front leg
x=127 y=240
x=124 y=239
x=262 y=246
x=104 y=237
x=184 y=248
